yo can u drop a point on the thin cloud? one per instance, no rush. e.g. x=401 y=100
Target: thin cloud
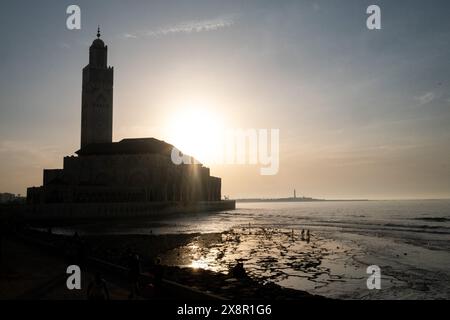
x=129 y=36
x=426 y=98
x=188 y=27
x=195 y=26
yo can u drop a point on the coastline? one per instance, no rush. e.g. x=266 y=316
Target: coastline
x=256 y=200
x=409 y=246
x=68 y=212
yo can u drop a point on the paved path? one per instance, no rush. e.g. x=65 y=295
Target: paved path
x=26 y=272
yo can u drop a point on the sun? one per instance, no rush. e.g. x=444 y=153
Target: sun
x=197 y=132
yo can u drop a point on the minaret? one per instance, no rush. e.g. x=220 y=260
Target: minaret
x=97 y=96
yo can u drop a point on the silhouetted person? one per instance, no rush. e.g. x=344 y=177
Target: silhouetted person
x=307 y=236
x=303 y=234
x=97 y=289
x=1 y=243
x=79 y=250
x=238 y=271
x=159 y=273
x=134 y=273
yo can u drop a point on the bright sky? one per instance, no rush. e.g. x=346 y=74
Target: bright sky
x=361 y=114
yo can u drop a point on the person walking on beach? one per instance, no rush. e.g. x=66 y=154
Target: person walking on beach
x=307 y=236
x=303 y=234
x=97 y=289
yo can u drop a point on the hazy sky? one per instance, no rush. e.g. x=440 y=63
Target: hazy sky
x=362 y=114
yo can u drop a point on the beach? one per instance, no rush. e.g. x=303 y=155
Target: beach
x=284 y=251
x=34 y=268
x=408 y=240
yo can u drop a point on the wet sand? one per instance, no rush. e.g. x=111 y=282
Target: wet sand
x=279 y=264
x=45 y=278
x=270 y=257
x=202 y=261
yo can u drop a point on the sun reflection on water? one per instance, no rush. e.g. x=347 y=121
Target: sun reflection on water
x=199 y=264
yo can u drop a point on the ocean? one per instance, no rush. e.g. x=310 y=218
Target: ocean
x=407 y=240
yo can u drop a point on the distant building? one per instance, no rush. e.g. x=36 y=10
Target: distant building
x=132 y=170
x=7 y=197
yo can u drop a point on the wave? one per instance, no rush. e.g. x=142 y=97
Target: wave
x=357 y=226
x=434 y=219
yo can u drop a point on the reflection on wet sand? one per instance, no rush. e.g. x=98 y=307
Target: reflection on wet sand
x=306 y=261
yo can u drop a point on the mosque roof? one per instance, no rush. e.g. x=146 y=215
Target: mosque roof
x=128 y=146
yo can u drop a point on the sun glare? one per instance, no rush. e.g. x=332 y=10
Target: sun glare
x=196 y=132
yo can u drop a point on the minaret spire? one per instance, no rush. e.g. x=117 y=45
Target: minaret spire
x=97 y=96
